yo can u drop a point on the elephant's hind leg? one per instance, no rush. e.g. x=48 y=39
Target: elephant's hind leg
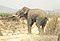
x=38 y=24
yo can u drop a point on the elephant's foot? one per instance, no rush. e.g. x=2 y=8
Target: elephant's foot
x=29 y=33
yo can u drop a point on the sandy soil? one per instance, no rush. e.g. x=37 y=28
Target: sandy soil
x=29 y=37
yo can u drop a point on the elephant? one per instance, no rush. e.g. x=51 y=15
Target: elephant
x=33 y=15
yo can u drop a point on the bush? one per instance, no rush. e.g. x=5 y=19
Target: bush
x=5 y=14
x=52 y=25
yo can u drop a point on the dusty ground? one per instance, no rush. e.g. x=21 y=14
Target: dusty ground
x=31 y=37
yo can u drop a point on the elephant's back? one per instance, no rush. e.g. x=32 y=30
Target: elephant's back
x=37 y=12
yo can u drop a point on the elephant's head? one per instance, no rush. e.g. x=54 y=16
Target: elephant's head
x=23 y=12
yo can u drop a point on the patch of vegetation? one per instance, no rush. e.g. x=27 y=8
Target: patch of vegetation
x=8 y=17
x=52 y=26
x=5 y=14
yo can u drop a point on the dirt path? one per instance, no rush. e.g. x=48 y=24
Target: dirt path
x=29 y=37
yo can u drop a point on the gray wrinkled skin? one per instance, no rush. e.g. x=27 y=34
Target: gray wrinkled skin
x=33 y=15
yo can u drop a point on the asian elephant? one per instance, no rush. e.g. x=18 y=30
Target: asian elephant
x=33 y=15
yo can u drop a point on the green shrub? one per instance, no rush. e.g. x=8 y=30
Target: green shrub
x=5 y=14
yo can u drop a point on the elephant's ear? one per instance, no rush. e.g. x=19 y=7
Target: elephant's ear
x=25 y=12
x=25 y=9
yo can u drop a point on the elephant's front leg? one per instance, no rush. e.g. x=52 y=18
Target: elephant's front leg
x=30 y=23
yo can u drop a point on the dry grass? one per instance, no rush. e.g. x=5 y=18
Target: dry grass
x=53 y=26
x=12 y=26
x=17 y=27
